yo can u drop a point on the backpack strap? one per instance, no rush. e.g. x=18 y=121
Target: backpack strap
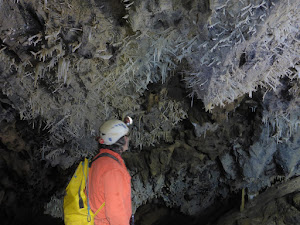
x=89 y=217
x=101 y=155
x=99 y=209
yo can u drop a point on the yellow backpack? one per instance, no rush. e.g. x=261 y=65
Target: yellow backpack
x=76 y=206
x=77 y=209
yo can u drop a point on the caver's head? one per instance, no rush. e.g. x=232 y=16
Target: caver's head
x=114 y=135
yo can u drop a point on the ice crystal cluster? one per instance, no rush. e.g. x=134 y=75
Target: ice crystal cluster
x=75 y=64
x=255 y=43
x=281 y=115
x=82 y=69
x=55 y=207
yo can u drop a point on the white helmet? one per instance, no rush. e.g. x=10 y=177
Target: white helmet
x=111 y=131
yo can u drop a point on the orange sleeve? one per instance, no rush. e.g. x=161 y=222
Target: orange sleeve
x=114 y=193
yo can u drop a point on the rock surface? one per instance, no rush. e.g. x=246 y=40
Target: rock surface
x=212 y=86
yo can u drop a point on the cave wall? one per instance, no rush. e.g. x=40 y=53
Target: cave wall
x=212 y=86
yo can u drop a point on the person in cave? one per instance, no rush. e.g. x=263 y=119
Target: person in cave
x=109 y=180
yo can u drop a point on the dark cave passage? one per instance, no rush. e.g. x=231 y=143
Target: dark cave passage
x=159 y=214
x=156 y=214
x=27 y=216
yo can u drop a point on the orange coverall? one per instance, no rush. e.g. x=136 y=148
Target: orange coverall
x=110 y=182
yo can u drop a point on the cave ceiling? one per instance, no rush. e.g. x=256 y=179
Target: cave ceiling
x=212 y=87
